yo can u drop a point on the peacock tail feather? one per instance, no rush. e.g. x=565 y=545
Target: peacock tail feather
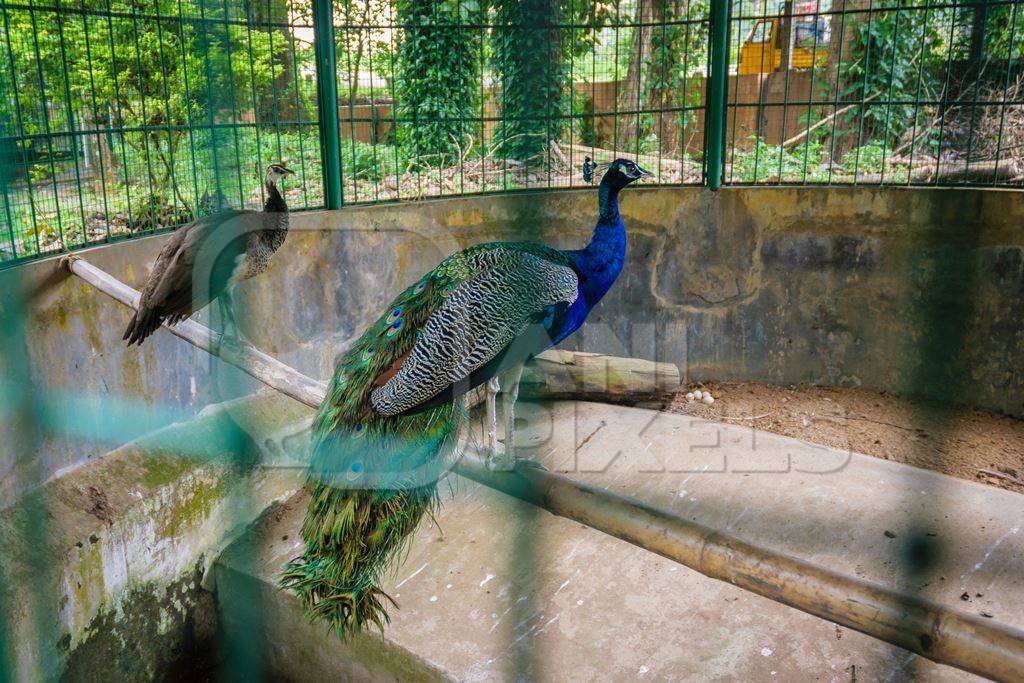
x=373 y=477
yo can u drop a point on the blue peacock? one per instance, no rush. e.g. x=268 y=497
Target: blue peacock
x=389 y=423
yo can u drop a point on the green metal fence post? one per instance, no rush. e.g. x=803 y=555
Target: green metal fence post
x=718 y=80
x=327 y=101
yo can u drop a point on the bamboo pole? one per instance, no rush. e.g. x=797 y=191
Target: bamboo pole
x=942 y=634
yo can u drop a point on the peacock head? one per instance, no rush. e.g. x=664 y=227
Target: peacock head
x=619 y=173
x=275 y=172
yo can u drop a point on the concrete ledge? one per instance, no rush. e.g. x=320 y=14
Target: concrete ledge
x=502 y=590
x=100 y=569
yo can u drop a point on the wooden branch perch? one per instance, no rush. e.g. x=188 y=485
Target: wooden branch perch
x=247 y=358
x=942 y=634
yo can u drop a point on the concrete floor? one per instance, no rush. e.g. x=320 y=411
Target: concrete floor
x=504 y=591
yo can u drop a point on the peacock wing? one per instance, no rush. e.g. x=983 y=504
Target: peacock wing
x=478 y=320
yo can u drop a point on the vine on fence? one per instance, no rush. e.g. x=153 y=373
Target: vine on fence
x=530 y=56
x=438 y=79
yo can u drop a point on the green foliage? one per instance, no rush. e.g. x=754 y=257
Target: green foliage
x=363 y=161
x=143 y=67
x=1004 y=31
x=772 y=163
x=675 y=48
x=586 y=20
x=529 y=53
x=896 y=56
x=866 y=158
x=438 y=78
x=649 y=144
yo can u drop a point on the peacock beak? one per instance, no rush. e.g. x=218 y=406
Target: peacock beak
x=642 y=173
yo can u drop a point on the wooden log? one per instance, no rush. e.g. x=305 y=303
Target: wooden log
x=586 y=376
x=951 y=172
x=940 y=633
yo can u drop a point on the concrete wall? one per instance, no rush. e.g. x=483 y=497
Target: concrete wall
x=892 y=289
x=101 y=571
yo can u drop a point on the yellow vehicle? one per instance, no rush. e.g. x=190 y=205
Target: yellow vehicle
x=761 y=52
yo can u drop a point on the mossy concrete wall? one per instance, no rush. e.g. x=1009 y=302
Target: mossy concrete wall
x=101 y=569
x=890 y=288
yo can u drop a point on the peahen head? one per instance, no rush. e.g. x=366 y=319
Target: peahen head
x=275 y=172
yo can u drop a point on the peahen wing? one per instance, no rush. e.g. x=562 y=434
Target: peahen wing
x=171 y=289
x=479 y=319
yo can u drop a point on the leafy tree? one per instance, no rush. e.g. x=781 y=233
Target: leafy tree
x=438 y=78
x=664 y=46
x=139 y=67
x=895 y=52
x=530 y=55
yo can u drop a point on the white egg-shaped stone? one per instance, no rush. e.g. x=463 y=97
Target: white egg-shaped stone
x=697 y=394
x=708 y=399
x=690 y=397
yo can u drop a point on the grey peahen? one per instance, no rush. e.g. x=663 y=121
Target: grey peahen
x=205 y=259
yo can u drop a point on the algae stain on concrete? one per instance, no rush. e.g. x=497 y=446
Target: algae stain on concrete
x=143 y=637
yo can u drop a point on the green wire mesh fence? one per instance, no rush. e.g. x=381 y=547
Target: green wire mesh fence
x=127 y=118
x=133 y=117
x=876 y=92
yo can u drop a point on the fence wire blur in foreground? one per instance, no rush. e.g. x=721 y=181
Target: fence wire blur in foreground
x=127 y=119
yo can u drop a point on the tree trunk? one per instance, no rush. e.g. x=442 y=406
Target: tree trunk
x=843 y=36
x=630 y=97
x=786 y=36
x=978 y=24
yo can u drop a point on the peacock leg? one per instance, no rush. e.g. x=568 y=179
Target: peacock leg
x=508 y=409
x=493 y=447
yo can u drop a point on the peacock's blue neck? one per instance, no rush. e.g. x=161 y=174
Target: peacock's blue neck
x=607 y=203
x=600 y=262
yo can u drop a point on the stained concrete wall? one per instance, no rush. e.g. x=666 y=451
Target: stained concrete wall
x=101 y=571
x=884 y=288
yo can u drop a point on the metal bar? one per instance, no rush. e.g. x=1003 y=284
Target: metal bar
x=948 y=636
x=327 y=101
x=718 y=77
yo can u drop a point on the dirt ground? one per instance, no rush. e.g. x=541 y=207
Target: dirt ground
x=963 y=442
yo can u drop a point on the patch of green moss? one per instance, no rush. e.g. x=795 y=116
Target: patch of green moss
x=197 y=506
x=150 y=634
x=164 y=468
x=89 y=573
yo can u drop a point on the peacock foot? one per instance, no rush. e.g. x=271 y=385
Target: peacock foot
x=501 y=460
